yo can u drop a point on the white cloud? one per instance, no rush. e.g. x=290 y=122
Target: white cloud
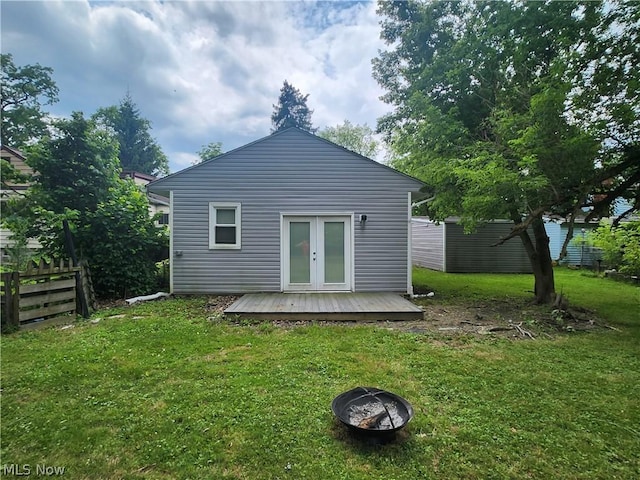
x=202 y=71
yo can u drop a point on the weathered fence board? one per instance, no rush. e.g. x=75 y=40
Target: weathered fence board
x=69 y=307
x=50 y=286
x=47 y=298
x=42 y=292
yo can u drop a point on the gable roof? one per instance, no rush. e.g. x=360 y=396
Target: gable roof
x=160 y=185
x=17 y=160
x=13 y=151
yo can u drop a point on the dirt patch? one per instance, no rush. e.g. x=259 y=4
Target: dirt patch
x=507 y=319
x=513 y=320
x=104 y=304
x=219 y=303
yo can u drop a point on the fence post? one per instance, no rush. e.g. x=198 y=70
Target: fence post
x=11 y=309
x=84 y=290
x=6 y=300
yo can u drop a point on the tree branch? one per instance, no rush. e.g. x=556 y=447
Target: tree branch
x=521 y=227
x=619 y=218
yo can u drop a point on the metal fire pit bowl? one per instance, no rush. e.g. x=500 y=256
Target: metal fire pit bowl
x=372 y=411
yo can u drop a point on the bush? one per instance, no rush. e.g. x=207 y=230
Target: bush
x=620 y=246
x=122 y=244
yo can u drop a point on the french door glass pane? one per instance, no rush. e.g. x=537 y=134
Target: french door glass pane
x=334 y=252
x=299 y=246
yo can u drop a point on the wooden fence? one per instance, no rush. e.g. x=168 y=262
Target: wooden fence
x=42 y=293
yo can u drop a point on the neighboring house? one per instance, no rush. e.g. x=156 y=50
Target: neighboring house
x=444 y=246
x=157 y=203
x=289 y=212
x=579 y=250
x=17 y=159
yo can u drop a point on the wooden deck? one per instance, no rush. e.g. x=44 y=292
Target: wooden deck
x=325 y=306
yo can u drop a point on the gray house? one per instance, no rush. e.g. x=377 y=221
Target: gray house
x=290 y=212
x=445 y=247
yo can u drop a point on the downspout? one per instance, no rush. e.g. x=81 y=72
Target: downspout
x=171 y=252
x=410 y=239
x=422 y=202
x=409 y=247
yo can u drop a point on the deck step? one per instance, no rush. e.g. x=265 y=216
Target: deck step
x=325 y=307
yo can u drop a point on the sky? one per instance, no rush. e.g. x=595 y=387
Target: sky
x=202 y=71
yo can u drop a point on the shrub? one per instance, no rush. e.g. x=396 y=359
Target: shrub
x=620 y=246
x=122 y=244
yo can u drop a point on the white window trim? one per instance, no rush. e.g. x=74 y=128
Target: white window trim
x=213 y=206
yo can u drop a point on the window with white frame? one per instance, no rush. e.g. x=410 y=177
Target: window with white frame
x=224 y=225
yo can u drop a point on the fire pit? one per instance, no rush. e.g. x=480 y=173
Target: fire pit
x=372 y=411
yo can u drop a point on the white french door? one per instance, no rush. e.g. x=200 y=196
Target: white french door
x=317 y=253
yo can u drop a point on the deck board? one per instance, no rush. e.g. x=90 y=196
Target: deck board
x=325 y=306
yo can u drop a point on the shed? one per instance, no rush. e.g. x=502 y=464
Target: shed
x=290 y=212
x=444 y=246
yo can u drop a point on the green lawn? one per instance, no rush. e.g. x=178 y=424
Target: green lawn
x=165 y=393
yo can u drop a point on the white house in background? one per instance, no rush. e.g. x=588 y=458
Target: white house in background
x=157 y=203
x=290 y=212
x=17 y=159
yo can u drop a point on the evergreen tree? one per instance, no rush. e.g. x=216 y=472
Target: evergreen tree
x=291 y=110
x=139 y=151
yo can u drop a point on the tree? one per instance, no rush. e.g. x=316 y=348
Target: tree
x=606 y=101
x=24 y=91
x=124 y=260
x=209 y=151
x=75 y=167
x=357 y=138
x=291 y=110
x=10 y=176
x=486 y=110
x=139 y=151
x=78 y=180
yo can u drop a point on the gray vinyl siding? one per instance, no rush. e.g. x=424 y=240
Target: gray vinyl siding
x=285 y=173
x=473 y=253
x=447 y=248
x=427 y=244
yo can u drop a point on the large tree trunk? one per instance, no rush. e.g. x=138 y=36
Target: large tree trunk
x=540 y=258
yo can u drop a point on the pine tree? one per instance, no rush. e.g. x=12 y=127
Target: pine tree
x=139 y=151
x=291 y=110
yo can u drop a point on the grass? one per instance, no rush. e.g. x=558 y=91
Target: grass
x=619 y=303
x=164 y=393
